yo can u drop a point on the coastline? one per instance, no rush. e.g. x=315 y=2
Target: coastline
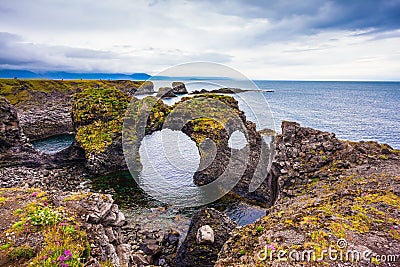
x=301 y=171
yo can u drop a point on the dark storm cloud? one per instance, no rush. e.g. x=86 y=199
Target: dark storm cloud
x=323 y=14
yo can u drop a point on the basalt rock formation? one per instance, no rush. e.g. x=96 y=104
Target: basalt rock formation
x=14 y=148
x=333 y=194
x=44 y=106
x=211 y=132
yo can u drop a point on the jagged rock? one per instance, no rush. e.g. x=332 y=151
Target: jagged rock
x=108 y=161
x=150 y=247
x=249 y=164
x=146 y=88
x=324 y=185
x=53 y=118
x=191 y=253
x=123 y=252
x=103 y=222
x=179 y=88
x=140 y=260
x=14 y=148
x=10 y=132
x=164 y=92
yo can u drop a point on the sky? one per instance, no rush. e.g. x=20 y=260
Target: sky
x=272 y=39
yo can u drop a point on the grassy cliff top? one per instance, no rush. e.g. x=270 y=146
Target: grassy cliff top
x=34 y=232
x=357 y=211
x=19 y=91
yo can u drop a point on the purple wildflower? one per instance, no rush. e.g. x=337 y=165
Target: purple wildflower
x=34 y=194
x=62 y=258
x=68 y=254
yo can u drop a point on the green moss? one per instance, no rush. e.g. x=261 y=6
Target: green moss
x=106 y=264
x=95 y=104
x=56 y=227
x=353 y=206
x=19 y=91
x=99 y=114
x=5 y=246
x=206 y=128
x=22 y=252
x=18 y=211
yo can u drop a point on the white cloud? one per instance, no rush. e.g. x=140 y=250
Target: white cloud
x=274 y=40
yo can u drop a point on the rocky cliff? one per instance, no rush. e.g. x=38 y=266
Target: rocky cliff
x=44 y=106
x=334 y=196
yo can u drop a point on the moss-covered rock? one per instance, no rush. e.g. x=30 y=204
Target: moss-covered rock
x=21 y=92
x=99 y=115
x=56 y=228
x=334 y=195
x=37 y=233
x=44 y=106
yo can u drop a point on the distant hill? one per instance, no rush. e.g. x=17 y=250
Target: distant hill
x=25 y=74
x=58 y=75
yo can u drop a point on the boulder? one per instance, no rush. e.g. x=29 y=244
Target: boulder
x=205 y=252
x=179 y=88
x=146 y=88
x=205 y=235
x=165 y=92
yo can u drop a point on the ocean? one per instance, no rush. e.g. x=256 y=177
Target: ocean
x=353 y=110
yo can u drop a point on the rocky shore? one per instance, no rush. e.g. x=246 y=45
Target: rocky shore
x=320 y=190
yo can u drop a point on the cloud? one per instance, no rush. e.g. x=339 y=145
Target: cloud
x=148 y=36
x=320 y=15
